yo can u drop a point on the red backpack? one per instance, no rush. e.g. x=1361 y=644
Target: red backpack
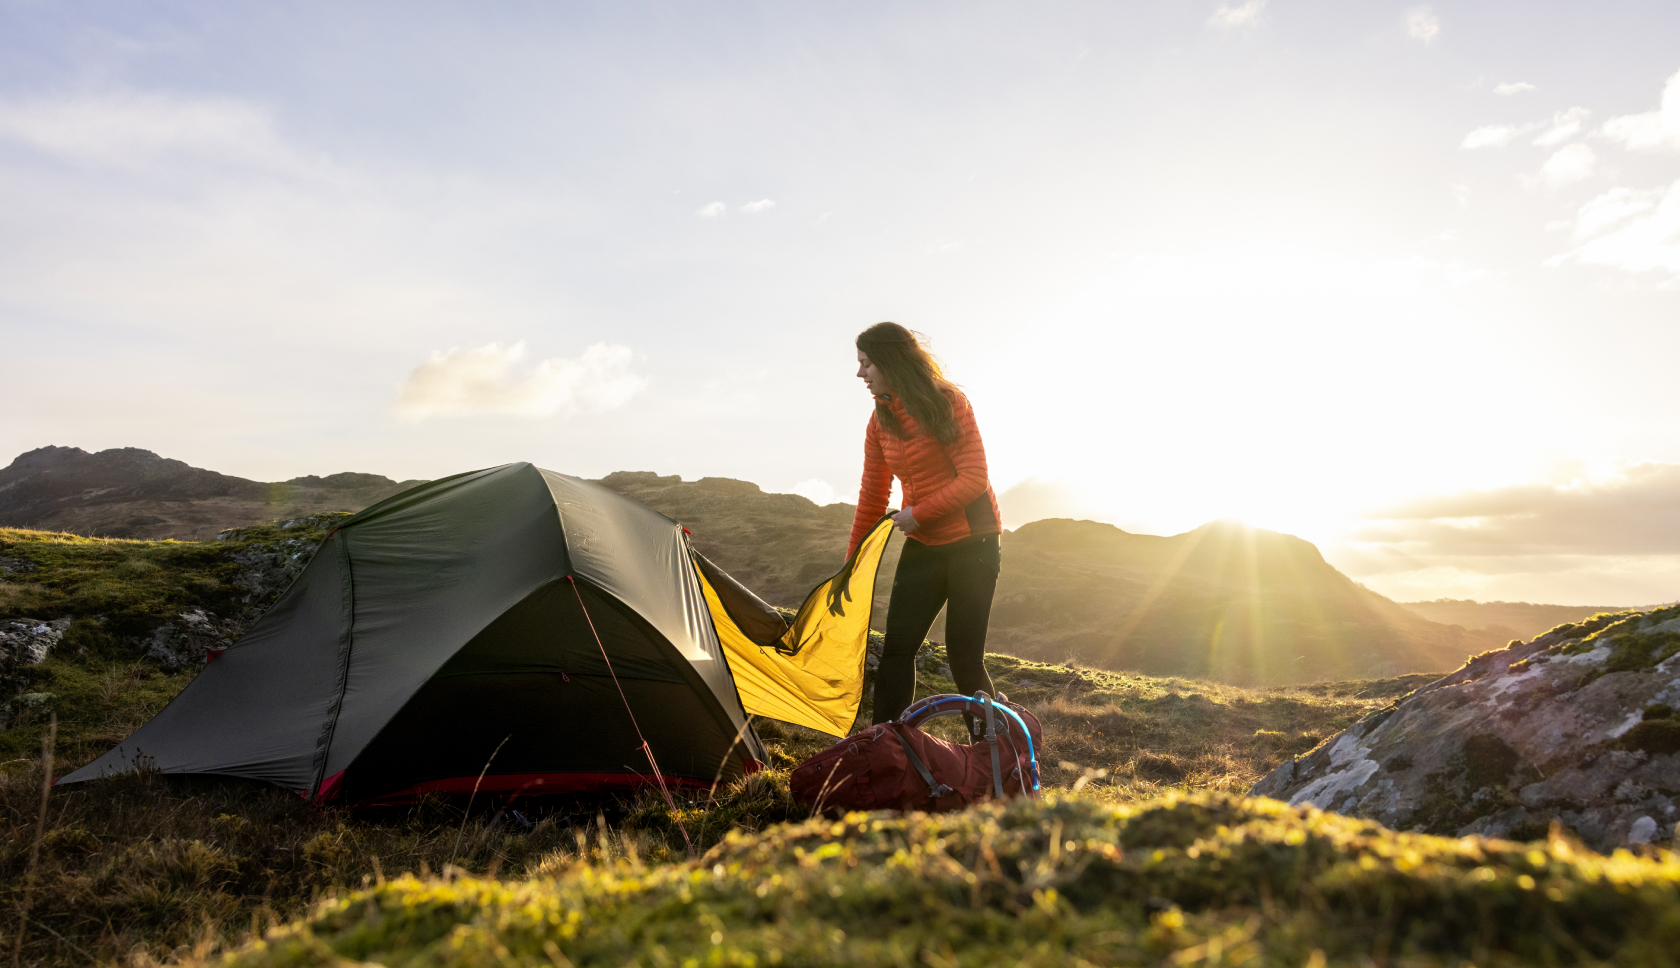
x=896 y=766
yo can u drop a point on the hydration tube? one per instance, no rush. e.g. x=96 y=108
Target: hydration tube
x=927 y=705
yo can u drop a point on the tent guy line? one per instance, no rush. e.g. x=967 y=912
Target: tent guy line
x=657 y=776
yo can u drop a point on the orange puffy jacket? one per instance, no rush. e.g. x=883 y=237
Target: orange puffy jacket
x=945 y=486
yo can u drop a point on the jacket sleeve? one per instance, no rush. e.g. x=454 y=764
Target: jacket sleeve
x=968 y=459
x=876 y=489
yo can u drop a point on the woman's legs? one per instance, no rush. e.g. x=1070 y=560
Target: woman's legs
x=918 y=593
x=965 y=573
x=971 y=577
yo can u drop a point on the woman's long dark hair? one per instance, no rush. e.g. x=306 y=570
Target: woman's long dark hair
x=915 y=378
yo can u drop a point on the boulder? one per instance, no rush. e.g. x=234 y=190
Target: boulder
x=193 y=638
x=1578 y=727
x=25 y=642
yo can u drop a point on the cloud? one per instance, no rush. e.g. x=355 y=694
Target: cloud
x=1611 y=207
x=818 y=492
x=1633 y=512
x=489 y=380
x=1496 y=135
x=1230 y=18
x=1422 y=24
x=1565 y=125
x=1566 y=166
x=1654 y=129
x=762 y=205
x=136 y=131
x=1651 y=243
x=713 y=210
x=1518 y=87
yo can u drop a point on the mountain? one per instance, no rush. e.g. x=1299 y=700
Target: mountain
x=1224 y=601
x=132 y=493
x=1508 y=620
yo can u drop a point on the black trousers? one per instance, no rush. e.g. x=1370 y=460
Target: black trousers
x=963 y=575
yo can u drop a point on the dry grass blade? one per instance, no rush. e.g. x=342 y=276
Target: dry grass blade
x=468 y=815
x=717 y=777
x=47 y=743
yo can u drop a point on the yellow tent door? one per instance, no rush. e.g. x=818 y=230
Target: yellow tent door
x=808 y=672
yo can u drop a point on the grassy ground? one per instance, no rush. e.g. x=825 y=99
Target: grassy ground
x=146 y=868
x=1069 y=880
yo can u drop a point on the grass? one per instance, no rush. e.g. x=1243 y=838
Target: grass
x=137 y=867
x=117 y=593
x=1072 y=879
x=1154 y=858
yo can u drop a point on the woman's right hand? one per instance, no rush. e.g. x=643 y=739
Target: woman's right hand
x=905 y=521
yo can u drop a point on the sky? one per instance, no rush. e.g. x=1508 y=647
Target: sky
x=1403 y=280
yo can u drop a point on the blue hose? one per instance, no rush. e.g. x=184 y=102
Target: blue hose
x=1032 y=755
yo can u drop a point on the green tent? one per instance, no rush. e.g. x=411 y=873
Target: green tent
x=536 y=630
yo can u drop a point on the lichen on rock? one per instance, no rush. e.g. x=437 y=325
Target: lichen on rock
x=1575 y=727
x=25 y=642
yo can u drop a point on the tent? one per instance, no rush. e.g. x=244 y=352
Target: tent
x=509 y=630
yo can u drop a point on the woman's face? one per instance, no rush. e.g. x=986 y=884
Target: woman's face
x=872 y=377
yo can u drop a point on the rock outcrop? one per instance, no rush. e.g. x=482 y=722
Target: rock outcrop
x=266 y=568
x=1578 y=727
x=25 y=642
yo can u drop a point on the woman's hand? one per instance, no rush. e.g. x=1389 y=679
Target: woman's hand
x=905 y=521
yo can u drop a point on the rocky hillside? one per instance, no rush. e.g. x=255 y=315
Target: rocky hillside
x=779 y=545
x=132 y=493
x=1578 y=727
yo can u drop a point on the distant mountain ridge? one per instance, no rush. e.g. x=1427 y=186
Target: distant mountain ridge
x=1509 y=620
x=127 y=492
x=1224 y=601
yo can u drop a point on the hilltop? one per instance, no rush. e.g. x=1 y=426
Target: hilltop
x=132 y=493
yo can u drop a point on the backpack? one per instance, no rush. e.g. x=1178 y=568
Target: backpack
x=896 y=766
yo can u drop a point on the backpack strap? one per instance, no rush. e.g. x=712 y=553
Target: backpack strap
x=992 y=738
x=935 y=788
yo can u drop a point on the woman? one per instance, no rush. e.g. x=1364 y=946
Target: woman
x=923 y=433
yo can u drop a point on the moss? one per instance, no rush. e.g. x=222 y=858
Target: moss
x=1063 y=881
x=1635 y=651
x=131 y=587
x=1654 y=736
x=1488 y=761
x=1485 y=766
